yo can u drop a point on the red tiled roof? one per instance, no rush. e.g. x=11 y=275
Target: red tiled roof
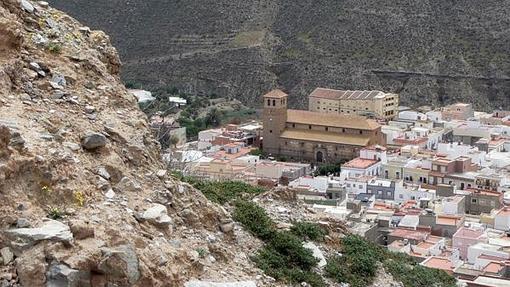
x=410 y=234
x=439 y=263
x=360 y=163
x=466 y=232
x=494 y=267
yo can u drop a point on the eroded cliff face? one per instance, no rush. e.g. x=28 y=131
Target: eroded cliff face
x=431 y=52
x=84 y=197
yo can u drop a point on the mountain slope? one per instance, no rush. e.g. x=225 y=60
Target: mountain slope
x=432 y=51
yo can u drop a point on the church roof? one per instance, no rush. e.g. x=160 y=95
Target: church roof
x=329 y=137
x=331 y=120
x=277 y=93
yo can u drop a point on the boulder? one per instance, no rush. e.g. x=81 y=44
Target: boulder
x=53 y=230
x=59 y=80
x=317 y=253
x=120 y=264
x=227 y=227
x=7 y=255
x=81 y=229
x=92 y=141
x=161 y=173
x=110 y=194
x=157 y=215
x=196 y=283
x=60 y=275
x=22 y=223
x=89 y=109
x=27 y=6
x=127 y=184
x=102 y=172
x=31 y=267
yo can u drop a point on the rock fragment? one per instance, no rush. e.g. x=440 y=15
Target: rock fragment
x=53 y=230
x=157 y=215
x=92 y=141
x=120 y=264
x=62 y=275
x=7 y=255
x=27 y=6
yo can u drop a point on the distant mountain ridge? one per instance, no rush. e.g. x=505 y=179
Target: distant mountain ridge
x=430 y=51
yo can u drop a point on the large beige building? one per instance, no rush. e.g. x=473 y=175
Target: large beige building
x=379 y=104
x=312 y=136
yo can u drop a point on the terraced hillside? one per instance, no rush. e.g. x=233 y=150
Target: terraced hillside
x=430 y=51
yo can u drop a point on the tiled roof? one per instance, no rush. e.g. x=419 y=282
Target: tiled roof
x=277 y=93
x=331 y=120
x=448 y=220
x=345 y=95
x=410 y=234
x=439 y=263
x=466 y=232
x=494 y=267
x=319 y=136
x=360 y=163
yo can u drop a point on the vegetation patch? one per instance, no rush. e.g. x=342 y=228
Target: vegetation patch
x=414 y=275
x=259 y=152
x=223 y=191
x=283 y=256
x=200 y=112
x=308 y=231
x=55 y=48
x=327 y=169
x=55 y=213
x=360 y=259
x=254 y=219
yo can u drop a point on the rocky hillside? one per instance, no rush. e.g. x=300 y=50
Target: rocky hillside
x=430 y=51
x=84 y=197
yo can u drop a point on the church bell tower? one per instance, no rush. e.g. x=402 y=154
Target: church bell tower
x=274 y=120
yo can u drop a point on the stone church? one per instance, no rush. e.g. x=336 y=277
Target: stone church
x=315 y=137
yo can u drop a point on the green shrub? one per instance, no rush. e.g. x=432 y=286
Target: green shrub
x=225 y=191
x=254 y=218
x=358 y=266
x=327 y=169
x=297 y=276
x=55 y=213
x=291 y=248
x=308 y=231
x=417 y=275
x=201 y=252
x=55 y=48
x=285 y=258
x=353 y=245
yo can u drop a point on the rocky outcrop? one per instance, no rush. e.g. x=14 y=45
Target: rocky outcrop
x=157 y=215
x=78 y=166
x=22 y=238
x=120 y=265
